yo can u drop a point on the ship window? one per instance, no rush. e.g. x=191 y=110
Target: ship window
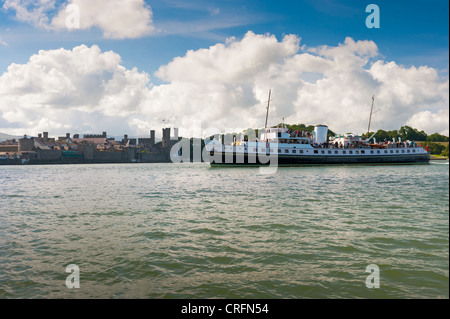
x=279 y=150
x=363 y=152
x=414 y=151
x=357 y=152
x=403 y=151
x=316 y=152
x=350 y=152
x=344 y=152
x=294 y=151
x=397 y=151
x=392 y=151
x=408 y=151
x=371 y=152
x=329 y=152
x=301 y=151
x=385 y=152
x=286 y=151
x=378 y=152
x=336 y=152
x=323 y=152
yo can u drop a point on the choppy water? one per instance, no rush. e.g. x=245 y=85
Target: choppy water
x=190 y=231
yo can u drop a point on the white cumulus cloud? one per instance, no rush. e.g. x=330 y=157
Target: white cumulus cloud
x=227 y=84
x=116 y=18
x=431 y=122
x=31 y=11
x=224 y=86
x=70 y=87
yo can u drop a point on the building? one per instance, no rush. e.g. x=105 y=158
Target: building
x=26 y=144
x=103 y=135
x=92 y=148
x=147 y=142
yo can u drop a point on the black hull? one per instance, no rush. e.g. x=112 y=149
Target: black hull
x=219 y=159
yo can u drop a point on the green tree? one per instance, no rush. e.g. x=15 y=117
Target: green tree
x=436 y=137
x=393 y=135
x=435 y=149
x=445 y=151
x=331 y=133
x=382 y=135
x=412 y=134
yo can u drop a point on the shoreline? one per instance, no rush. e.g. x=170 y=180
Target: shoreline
x=435 y=158
x=50 y=163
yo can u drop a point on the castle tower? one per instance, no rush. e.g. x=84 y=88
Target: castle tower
x=26 y=144
x=166 y=137
x=152 y=137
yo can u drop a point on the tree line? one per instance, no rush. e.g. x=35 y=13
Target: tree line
x=407 y=133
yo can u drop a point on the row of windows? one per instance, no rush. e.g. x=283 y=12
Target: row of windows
x=287 y=151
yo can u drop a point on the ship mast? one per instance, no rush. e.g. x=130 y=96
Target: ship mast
x=267 y=114
x=268 y=105
x=371 y=111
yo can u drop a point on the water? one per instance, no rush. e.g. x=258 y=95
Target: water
x=190 y=231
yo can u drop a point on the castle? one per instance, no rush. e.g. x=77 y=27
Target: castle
x=91 y=148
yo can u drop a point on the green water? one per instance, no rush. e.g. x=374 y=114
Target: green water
x=191 y=231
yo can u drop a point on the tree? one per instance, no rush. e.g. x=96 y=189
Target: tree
x=436 y=137
x=445 y=152
x=393 y=135
x=436 y=149
x=412 y=134
x=331 y=133
x=381 y=135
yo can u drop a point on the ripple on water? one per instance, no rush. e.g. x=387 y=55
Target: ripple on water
x=188 y=231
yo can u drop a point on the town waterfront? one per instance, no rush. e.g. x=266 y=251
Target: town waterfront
x=191 y=231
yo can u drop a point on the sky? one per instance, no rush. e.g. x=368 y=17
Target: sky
x=126 y=67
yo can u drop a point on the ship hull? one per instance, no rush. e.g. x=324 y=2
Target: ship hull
x=222 y=159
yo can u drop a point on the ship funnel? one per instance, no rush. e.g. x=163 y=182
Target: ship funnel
x=320 y=134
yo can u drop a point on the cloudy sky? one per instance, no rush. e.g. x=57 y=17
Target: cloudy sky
x=128 y=66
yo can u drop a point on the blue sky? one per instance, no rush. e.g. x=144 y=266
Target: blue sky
x=413 y=35
x=411 y=32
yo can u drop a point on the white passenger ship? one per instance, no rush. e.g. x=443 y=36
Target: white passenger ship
x=304 y=148
x=295 y=149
